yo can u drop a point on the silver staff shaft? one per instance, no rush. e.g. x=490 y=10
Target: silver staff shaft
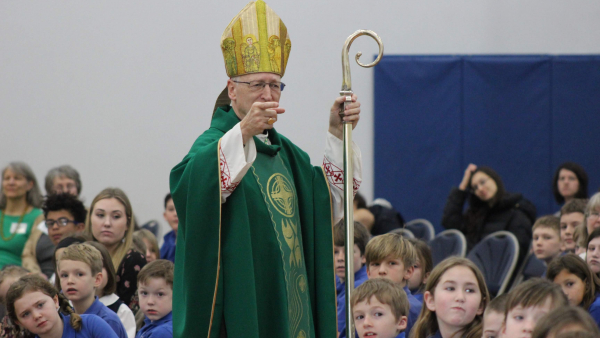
x=348 y=170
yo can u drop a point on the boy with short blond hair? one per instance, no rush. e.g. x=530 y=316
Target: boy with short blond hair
x=80 y=272
x=386 y=299
x=546 y=238
x=571 y=218
x=361 y=238
x=393 y=257
x=155 y=290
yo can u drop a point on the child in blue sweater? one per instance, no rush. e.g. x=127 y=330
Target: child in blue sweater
x=35 y=305
x=80 y=271
x=155 y=289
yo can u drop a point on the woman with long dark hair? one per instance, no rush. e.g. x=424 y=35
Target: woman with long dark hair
x=490 y=209
x=570 y=181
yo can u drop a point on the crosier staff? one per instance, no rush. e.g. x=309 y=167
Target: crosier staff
x=348 y=178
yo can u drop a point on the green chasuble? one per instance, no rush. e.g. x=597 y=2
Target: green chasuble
x=261 y=264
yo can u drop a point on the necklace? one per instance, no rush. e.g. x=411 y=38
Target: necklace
x=16 y=230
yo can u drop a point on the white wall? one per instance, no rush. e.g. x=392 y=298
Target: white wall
x=121 y=89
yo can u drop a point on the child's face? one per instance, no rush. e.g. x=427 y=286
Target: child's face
x=593 y=255
x=372 y=318
x=156 y=298
x=568 y=224
x=391 y=268
x=340 y=260
x=572 y=286
x=417 y=279
x=456 y=299
x=171 y=215
x=492 y=324
x=37 y=312
x=521 y=321
x=76 y=280
x=546 y=243
x=150 y=255
x=57 y=232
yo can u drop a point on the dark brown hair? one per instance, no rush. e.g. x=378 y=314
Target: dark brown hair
x=361 y=235
x=478 y=209
x=575 y=265
x=558 y=319
x=160 y=268
x=582 y=177
x=32 y=283
x=549 y=222
x=111 y=283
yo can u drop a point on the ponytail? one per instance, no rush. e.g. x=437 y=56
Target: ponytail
x=65 y=308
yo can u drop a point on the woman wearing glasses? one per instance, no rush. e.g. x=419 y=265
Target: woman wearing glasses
x=490 y=209
x=19 y=211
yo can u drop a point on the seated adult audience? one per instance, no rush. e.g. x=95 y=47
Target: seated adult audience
x=571 y=218
x=570 y=181
x=167 y=251
x=110 y=222
x=491 y=209
x=20 y=211
x=64 y=179
x=383 y=217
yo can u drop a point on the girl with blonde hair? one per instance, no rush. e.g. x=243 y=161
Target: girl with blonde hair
x=110 y=222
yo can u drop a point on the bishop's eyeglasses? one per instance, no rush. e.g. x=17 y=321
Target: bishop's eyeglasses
x=256 y=86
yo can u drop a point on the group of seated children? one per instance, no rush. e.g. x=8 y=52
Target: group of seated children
x=453 y=297
x=85 y=305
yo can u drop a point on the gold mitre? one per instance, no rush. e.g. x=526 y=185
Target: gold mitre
x=255 y=41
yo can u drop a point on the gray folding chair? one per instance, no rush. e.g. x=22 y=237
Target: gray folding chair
x=421 y=228
x=531 y=267
x=403 y=232
x=496 y=256
x=448 y=243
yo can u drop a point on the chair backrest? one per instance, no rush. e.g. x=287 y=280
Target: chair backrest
x=421 y=228
x=496 y=256
x=403 y=232
x=153 y=226
x=531 y=267
x=448 y=243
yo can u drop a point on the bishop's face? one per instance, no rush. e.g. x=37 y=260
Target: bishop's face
x=242 y=96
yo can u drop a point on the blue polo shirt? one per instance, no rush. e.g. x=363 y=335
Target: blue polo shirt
x=162 y=328
x=92 y=327
x=360 y=277
x=167 y=250
x=109 y=316
x=413 y=311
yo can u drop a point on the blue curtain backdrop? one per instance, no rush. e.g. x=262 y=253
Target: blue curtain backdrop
x=521 y=115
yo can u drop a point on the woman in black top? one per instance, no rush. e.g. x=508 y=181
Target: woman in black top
x=490 y=209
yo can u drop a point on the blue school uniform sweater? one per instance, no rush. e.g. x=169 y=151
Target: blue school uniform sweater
x=162 y=328
x=111 y=318
x=413 y=311
x=92 y=327
x=167 y=250
x=419 y=297
x=594 y=309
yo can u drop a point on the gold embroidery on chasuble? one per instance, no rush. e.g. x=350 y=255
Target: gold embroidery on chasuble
x=281 y=200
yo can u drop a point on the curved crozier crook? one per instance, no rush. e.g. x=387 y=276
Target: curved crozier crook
x=347 y=81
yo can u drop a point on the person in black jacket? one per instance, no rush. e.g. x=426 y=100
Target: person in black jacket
x=491 y=209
